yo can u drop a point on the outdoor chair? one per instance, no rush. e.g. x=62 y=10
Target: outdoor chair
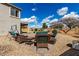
x=74 y=45
x=14 y=32
x=54 y=32
x=41 y=39
x=52 y=38
x=19 y=37
x=24 y=39
x=13 y=35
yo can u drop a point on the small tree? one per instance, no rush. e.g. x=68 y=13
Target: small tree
x=44 y=26
x=57 y=25
x=71 y=22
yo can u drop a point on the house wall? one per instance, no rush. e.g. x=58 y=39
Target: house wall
x=6 y=20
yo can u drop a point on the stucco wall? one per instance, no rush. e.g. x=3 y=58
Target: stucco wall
x=6 y=21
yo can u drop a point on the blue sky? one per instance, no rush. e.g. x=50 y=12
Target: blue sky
x=46 y=11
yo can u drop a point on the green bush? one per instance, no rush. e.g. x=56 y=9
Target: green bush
x=44 y=26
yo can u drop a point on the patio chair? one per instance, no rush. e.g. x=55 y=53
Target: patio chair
x=24 y=39
x=41 y=39
x=53 y=37
x=14 y=32
x=21 y=38
x=74 y=45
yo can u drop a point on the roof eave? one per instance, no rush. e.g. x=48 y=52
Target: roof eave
x=8 y=4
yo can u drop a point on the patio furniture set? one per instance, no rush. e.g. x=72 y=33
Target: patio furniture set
x=40 y=40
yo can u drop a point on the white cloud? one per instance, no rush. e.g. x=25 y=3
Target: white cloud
x=71 y=14
x=24 y=20
x=47 y=19
x=33 y=9
x=50 y=17
x=32 y=19
x=38 y=26
x=62 y=11
x=29 y=20
x=32 y=26
x=54 y=20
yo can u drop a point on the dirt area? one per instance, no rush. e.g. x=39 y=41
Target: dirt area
x=10 y=47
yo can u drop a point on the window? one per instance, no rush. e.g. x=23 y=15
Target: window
x=17 y=13
x=14 y=12
x=14 y=27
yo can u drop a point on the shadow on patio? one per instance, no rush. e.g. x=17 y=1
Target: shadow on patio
x=71 y=52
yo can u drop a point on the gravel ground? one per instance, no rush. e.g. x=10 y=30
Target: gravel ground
x=12 y=48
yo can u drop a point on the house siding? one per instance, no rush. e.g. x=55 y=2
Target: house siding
x=6 y=21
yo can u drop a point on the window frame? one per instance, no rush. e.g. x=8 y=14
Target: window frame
x=15 y=13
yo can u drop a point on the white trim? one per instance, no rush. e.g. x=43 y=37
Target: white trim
x=12 y=15
x=19 y=14
x=9 y=11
